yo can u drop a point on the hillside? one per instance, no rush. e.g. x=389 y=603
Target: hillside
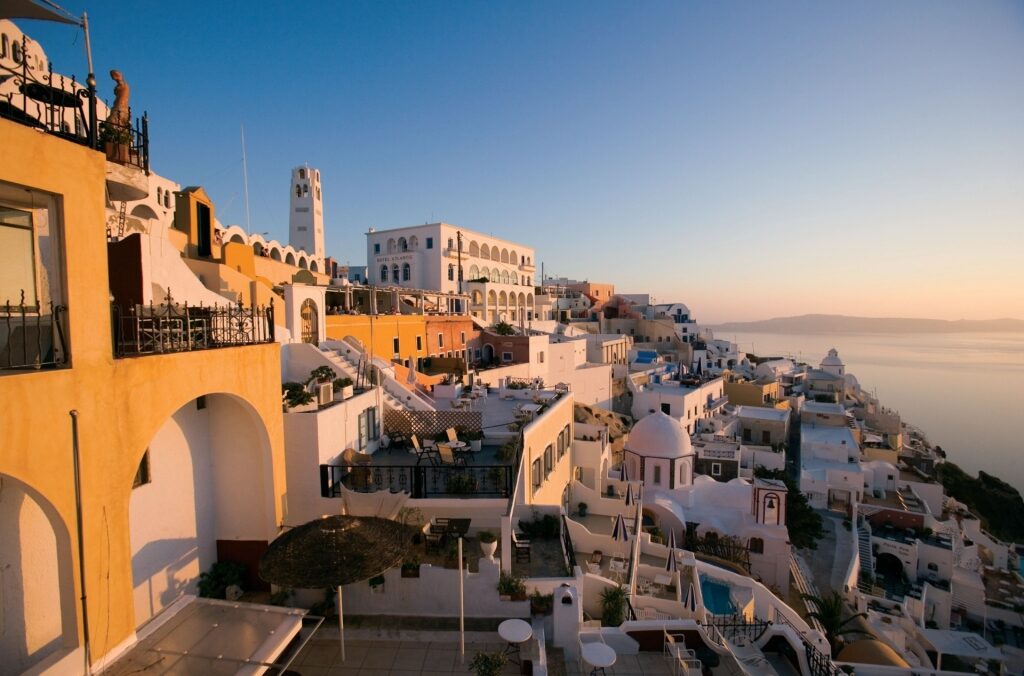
x=997 y=503
x=844 y=324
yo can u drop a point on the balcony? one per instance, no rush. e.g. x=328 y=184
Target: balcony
x=64 y=107
x=171 y=327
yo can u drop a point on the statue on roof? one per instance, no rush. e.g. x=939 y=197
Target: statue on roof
x=120 y=114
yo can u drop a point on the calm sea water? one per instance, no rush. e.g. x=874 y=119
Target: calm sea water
x=964 y=390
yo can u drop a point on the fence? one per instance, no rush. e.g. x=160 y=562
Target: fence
x=427 y=424
x=31 y=338
x=170 y=327
x=420 y=481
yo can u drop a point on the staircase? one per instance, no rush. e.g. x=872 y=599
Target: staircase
x=346 y=358
x=867 y=558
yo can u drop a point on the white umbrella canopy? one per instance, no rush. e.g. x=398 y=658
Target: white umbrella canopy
x=619 y=531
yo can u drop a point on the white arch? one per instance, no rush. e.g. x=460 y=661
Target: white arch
x=403 y=244
x=474 y=272
x=474 y=248
x=289 y=258
x=303 y=263
x=504 y=255
x=485 y=252
x=313 y=265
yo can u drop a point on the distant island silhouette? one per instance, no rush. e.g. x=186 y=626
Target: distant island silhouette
x=819 y=323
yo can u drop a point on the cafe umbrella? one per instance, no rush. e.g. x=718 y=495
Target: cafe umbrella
x=335 y=551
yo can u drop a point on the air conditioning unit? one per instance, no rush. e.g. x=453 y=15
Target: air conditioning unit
x=324 y=394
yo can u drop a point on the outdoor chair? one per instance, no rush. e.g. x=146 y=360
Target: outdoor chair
x=521 y=547
x=449 y=457
x=453 y=436
x=430 y=454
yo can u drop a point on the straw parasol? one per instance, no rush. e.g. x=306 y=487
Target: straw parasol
x=360 y=473
x=335 y=551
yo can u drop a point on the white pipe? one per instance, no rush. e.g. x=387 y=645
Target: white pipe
x=341 y=625
x=462 y=610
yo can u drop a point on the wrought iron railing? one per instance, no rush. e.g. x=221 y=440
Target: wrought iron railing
x=64 y=107
x=736 y=626
x=172 y=327
x=819 y=663
x=32 y=336
x=570 y=551
x=420 y=481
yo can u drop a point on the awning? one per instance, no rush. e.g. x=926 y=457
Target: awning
x=37 y=9
x=209 y=636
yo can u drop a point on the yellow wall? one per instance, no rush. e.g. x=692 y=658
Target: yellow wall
x=536 y=437
x=121 y=403
x=385 y=328
x=751 y=393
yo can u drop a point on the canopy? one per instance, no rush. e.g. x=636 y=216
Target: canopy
x=37 y=9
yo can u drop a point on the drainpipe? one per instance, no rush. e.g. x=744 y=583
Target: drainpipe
x=81 y=538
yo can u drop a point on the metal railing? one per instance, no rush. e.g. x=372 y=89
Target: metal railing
x=819 y=663
x=32 y=336
x=420 y=481
x=65 y=108
x=570 y=552
x=170 y=327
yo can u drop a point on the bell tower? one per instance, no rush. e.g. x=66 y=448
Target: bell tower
x=306 y=216
x=769 y=502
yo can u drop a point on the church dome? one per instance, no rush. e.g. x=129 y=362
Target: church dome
x=832 y=359
x=659 y=435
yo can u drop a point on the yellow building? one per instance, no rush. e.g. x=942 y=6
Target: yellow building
x=387 y=336
x=181 y=454
x=753 y=392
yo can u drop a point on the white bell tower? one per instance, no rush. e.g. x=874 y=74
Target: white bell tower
x=306 y=217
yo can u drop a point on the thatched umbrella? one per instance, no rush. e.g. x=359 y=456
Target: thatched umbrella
x=335 y=551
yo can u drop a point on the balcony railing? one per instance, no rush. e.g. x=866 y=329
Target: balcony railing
x=65 y=108
x=32 y=336
x=172 y=327
x=420 y=481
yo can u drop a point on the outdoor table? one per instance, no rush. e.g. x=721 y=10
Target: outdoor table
x=458 y=527
x=458 y=446
x=515 y=633
x=598 y=655
x=530 y=410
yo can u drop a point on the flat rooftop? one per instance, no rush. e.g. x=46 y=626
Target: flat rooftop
x=763 y=413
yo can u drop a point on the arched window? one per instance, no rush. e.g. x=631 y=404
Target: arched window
x=394 y=273
x=756 y=546
x=474 y=272
x=310 y=322
x=298 y=190
x=383 y=273
x=451 y=272
x=305 y=189
x=302 y=173
x=167 y=199
x=406 y=272
x=159 y=195
x=403 y=245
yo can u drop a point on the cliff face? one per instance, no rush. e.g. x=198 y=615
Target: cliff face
x=997 y=503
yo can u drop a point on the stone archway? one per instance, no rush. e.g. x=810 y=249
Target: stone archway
x=203 y=493
x=37 y=591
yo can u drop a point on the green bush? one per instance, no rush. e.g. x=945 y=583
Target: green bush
x=510 y=585
x=488 y=664
x=487 y=537
x=213 y=584
x=613 y=606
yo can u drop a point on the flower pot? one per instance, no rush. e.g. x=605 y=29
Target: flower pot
x=303 y=408
x=488 y=549
x=116 y=152
x=504 y=597
x=410 y=571
x=521 y=596
x=347 y=391
x=476 y=445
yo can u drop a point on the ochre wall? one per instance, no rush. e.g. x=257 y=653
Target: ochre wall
x=121 y=403
x=384 y=329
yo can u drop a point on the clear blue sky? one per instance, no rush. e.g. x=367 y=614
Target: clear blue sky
x=751 y=159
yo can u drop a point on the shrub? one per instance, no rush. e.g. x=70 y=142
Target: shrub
x=613 y=606
x=510 y=585
x=342 y=382
x=488 y=664
x=295 y=394
x=487 y=537
x=321 y=374
x=213 y=584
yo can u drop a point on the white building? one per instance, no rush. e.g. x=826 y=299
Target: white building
x=496 y=273
x=688 y=401
x=306 y=213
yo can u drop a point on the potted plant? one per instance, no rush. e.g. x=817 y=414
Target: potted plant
x=214 y=583
x=116 y=142
x=582 y=507
x=475 y=439
x=613 y=606
x=541 y=604
x=511 y=588
x=297 y=398
x=462 y=484
x=488 y=664
x=411 y=566
x=321 y=374
x=377 y=584
x=488 y=543
x=344 y=387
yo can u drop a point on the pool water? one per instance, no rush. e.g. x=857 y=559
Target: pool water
x=717 y=597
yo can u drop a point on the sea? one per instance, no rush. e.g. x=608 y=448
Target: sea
x=964 y=390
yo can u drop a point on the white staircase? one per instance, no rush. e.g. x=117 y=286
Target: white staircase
x=347 y=359
x=867 y=557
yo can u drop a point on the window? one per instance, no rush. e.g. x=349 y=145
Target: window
x=451 y=272
x=383 y=273
x=451 y=243
x=394 y=273
x=419 y=343
x=565 y=441
x=17 y=252
x=933 y=567
x=561 y=444
x=657 y=475
x=666 y=409
x=367 y=427
x=540 y=357
x=430 y=242
x=298 y=190
x=142 y=474
x=716 y=469
x=506 y=356
x=395 y=344
x=376 y=248
x=440 y=340
x=406 y=272
x=200 y=402
x=462 y=337
x=549 y=459
x=302 y=174
x=756 y=546
x=536 y=474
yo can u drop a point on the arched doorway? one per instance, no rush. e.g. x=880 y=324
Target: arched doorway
x=37 y=595
x=203 y=493
x=310 y=322
x=487 y=354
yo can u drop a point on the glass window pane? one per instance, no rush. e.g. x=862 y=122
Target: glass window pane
x=17 y=263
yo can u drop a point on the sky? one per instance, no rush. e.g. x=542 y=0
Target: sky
x=749 y=159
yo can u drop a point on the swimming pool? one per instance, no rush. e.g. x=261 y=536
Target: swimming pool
x=717 y=597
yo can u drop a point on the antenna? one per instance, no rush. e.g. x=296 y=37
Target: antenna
x=245 y=181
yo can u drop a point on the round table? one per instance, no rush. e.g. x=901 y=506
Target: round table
x=598 y=655
x=514 y=632
x=458 y=445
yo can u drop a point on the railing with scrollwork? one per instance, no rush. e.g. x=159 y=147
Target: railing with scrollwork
x=570 y=551
x=64 y=107
x=819 y=663
x=32 y=336
x=172 y=327
x=420 y=481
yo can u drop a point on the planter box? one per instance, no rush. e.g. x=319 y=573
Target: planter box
x=304 y=408
x=411 y=572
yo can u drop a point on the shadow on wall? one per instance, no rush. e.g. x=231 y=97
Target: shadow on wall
x=175 y=561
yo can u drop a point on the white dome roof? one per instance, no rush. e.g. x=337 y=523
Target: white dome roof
x=832 y=359
x=659 y=435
